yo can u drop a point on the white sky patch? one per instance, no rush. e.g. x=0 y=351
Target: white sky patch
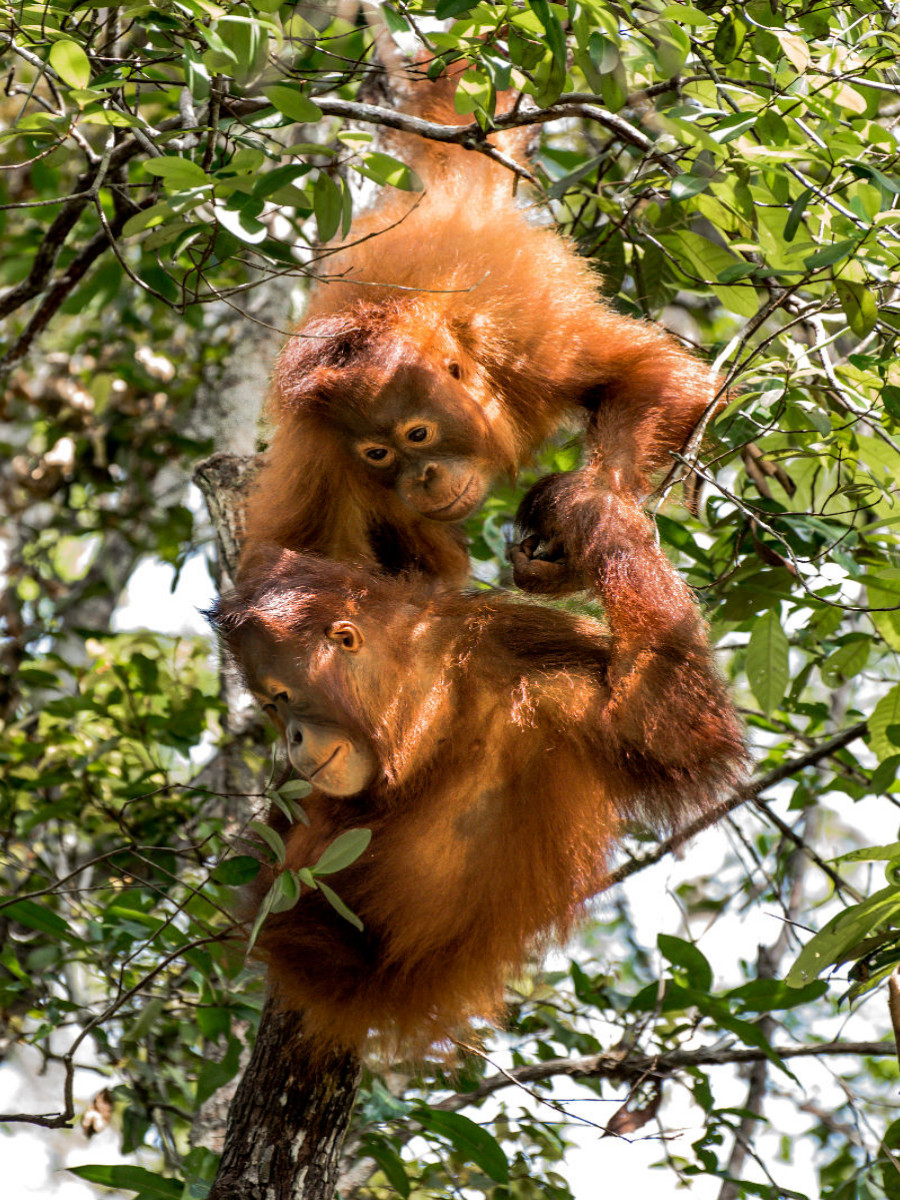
x=150 y=603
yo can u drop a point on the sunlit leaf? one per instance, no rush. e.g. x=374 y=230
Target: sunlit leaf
x=294 y=103
x=71 y=64
x=795 y=48
x=859 y=306
x=884 y=725
x=177 y=173
x=385 y=169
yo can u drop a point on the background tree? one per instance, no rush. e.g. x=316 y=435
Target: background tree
x=168 y=172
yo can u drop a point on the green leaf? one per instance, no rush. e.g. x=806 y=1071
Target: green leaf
x=885 y=714
x=676 y=534
x=841 y=933
x=263 y=911
x=338 y=905
x=883 y=593
x=767 y=661
x=796 y=214
x=103 y=116
x=452 y=8
x=234 y=872
x=294 y=103
x=327 y=205
x=212 y=1022
x=35 y=916
x=272 y=839
x=845 y=662
x=149 y=1015
x=872 y=853
x=239 y=218
x=753 y=1035
x=890 y=398
x=387 y=170
x=603 y=52
x=795 y=49
x=292 y=810
x=281 y=177
x=706 y=259
x=859 y=306
x=295 y=789
x=471 y=1141
x=474 y=93
x=153 y=215
x=198 y=80
x=130 y=1179
x=556 y=38
x=831 y=254
x=685 y=13
x=287 y=892
x=344 y=850
x=866 y=170
x=687 y=956
x=70 y=63
x=214 y=1075
x=390 y=1162
x=346 y=211
x=770 y=995
x=178 y=174
x=550 y=73
x=685 y=186
x=729 y=39
x=732 y=127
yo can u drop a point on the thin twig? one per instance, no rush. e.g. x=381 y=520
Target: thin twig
x=787 y=769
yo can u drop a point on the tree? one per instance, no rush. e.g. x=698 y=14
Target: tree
x=169 y=168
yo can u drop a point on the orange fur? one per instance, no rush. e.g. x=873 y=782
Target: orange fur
x=459 y=280
x=511 y=742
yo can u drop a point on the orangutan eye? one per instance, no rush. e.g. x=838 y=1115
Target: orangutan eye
x=379 y=456
x=422 y=434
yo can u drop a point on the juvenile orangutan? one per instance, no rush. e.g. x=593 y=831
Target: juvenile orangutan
x=453 y=336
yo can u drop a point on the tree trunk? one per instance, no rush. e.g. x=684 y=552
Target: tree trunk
x=288 y=1117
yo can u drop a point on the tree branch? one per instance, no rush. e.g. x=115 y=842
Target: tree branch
x=626 y=1065
x=57 y=294
x=751 y=792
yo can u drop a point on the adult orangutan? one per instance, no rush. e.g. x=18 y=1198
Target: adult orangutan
x=453 y=337
x=494 y=748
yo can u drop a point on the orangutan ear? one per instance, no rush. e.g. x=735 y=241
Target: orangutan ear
x=346 y=635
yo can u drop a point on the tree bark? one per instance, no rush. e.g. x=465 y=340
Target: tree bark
x=288 y=1117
